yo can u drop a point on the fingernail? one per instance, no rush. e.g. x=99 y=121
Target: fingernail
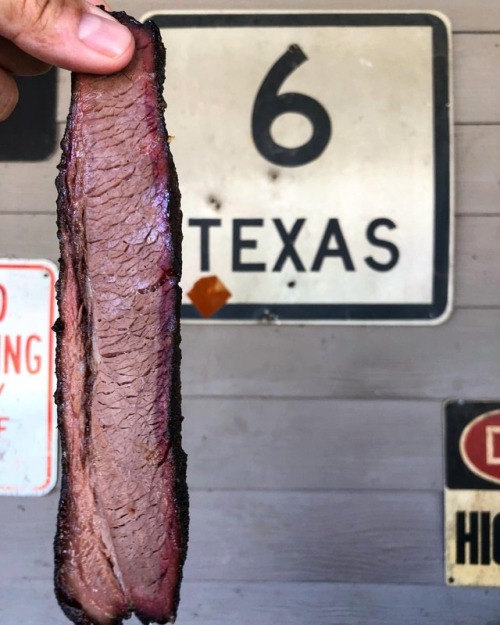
x=104 y=35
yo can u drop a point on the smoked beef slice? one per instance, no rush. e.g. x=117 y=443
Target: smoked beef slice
x=122 y=526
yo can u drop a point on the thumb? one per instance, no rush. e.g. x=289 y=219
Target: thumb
x=72 y=34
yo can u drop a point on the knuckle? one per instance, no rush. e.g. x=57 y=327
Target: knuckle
x=21 y=17
x=39 y=14
x=45 y=11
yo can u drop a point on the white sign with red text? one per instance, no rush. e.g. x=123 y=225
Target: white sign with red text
x=28 y=438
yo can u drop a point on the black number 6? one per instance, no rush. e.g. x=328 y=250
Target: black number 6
x=269 y=105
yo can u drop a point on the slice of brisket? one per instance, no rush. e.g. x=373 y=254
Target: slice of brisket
x=122 y=526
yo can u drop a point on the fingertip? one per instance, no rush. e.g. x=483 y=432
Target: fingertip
x=9 y=95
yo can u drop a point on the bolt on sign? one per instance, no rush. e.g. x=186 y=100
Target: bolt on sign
x=28 y=439
x=313 y=153
x=472 y=493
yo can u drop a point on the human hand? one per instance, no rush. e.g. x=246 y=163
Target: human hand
x=72 y=34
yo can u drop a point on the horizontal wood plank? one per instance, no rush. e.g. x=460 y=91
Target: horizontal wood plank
x=457 y=359
x=274 y=444
x=464 y=14
x=30 y=187
x=29 y=236
x=477 y=253
x=477 y=169
x=476 y=82
x=226 y=603
x=367 y=537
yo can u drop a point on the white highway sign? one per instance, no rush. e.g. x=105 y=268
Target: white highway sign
x=313 y=153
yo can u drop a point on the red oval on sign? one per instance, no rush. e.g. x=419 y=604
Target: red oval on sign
x=480 y=446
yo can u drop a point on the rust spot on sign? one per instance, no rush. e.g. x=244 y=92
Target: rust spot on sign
x=209 y=295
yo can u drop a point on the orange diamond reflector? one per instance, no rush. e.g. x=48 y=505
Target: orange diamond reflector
x=209 y=295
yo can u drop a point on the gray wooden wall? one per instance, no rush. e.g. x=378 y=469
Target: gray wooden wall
x=315 y=452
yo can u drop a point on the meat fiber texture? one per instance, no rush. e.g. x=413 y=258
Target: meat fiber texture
x=122 y=526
